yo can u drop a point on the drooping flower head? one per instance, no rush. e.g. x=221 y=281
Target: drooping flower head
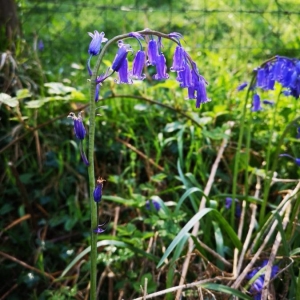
x=179 y=60
x=138 y=65
x=121 y=56
x=98 y=190
x=80 y=133
x=124 y=74
x=95 y=45
x=161 y=68
x=78 y=125
x=152 y=53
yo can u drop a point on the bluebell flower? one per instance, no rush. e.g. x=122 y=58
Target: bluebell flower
x=41 y=45
x=152 y=53
x=242 y=86
x=198 y=89
x=152 y=203
x=228 y=203
x=161 y=68
x=296 y=160
x=201 y=92
x=121 y=56
x=98 y=190
x=100 y=228
x=95 y=45
x=123 y=73
x=185 y=77
x=138 y=65
x=80 y=133
x=256 y=103
x=257 y=286
x=78 y=125
x=179 y=62
x=261 y=78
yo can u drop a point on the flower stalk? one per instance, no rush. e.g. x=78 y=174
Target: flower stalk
x=94 y=93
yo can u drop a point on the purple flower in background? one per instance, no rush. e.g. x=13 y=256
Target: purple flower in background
x=98 y=190
x=152 y=53
x=257 y=286
x=283 y=70
x=228 y=203
x=256 y=103
x=40 y=45
x=138 y=65
x=298 y=133
x=97 y=40
x=152 y=203
x=121 y=56
x=179 y=62
x=78 y=125
x=242 y=86
x=161 y=68
x=296 y=160
x=268 y=102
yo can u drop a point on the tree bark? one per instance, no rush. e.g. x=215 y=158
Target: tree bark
x=9 y=25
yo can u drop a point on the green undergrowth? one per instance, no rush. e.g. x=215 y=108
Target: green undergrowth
x=150 y=143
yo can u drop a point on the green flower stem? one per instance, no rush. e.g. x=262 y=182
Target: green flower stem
x=91 y=145
x=269 y=175
x=237 y=156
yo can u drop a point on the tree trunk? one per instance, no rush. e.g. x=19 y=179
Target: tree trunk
x=9 y=25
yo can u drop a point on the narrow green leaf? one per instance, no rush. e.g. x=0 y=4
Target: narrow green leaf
x=225 y=289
